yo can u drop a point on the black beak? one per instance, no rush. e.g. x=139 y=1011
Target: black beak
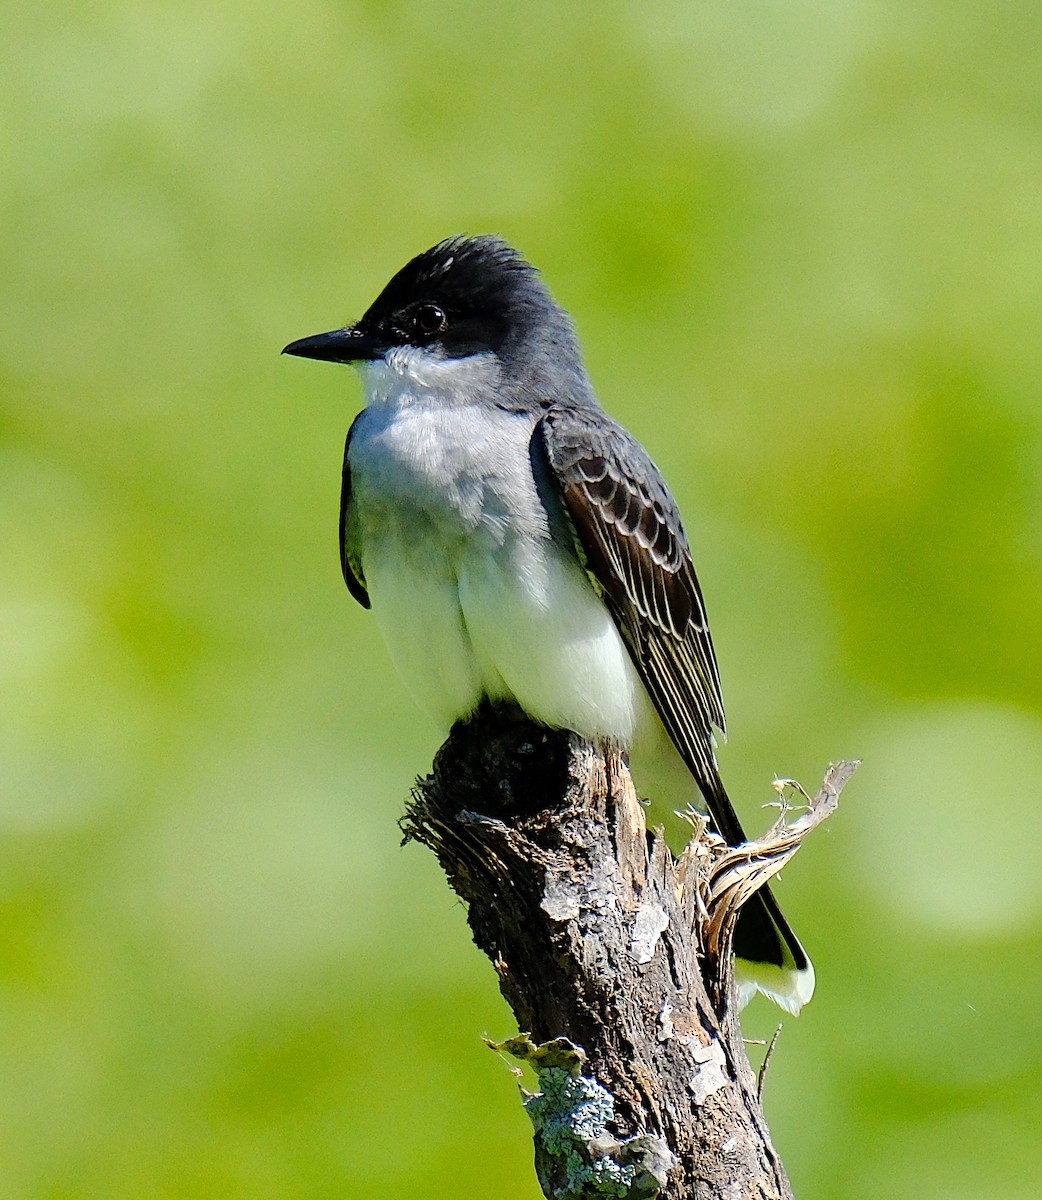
x=346 y=345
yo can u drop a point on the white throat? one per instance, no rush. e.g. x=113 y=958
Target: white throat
x=410 y=373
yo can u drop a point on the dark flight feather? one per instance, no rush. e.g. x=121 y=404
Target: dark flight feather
x=350 y=558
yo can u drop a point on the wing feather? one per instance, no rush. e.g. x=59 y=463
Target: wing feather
x=350 y=551
x=632 y=542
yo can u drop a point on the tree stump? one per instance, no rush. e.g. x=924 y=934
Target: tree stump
x=615 y=957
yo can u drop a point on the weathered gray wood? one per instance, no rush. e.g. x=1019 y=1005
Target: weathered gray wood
x=614 y=957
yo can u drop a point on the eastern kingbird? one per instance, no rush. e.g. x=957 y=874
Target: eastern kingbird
x=516 y=543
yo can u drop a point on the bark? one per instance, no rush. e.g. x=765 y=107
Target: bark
x=614 y=956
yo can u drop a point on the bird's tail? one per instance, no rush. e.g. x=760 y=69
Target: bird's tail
x=770 y=957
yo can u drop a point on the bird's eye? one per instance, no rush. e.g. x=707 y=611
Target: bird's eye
x=428 y=319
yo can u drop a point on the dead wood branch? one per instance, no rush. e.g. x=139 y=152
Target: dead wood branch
x=615 y=958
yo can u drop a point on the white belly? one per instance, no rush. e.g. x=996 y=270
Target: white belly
x=471 y=594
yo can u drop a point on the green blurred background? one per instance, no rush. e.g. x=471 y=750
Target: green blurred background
x=803 y=243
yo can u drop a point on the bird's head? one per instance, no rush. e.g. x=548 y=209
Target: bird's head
x=465 y=298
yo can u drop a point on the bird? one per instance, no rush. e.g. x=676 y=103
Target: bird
x=516 y=544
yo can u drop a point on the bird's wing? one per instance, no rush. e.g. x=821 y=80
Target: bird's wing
x=350 y=550
x=628 y=535
x=630 y=538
